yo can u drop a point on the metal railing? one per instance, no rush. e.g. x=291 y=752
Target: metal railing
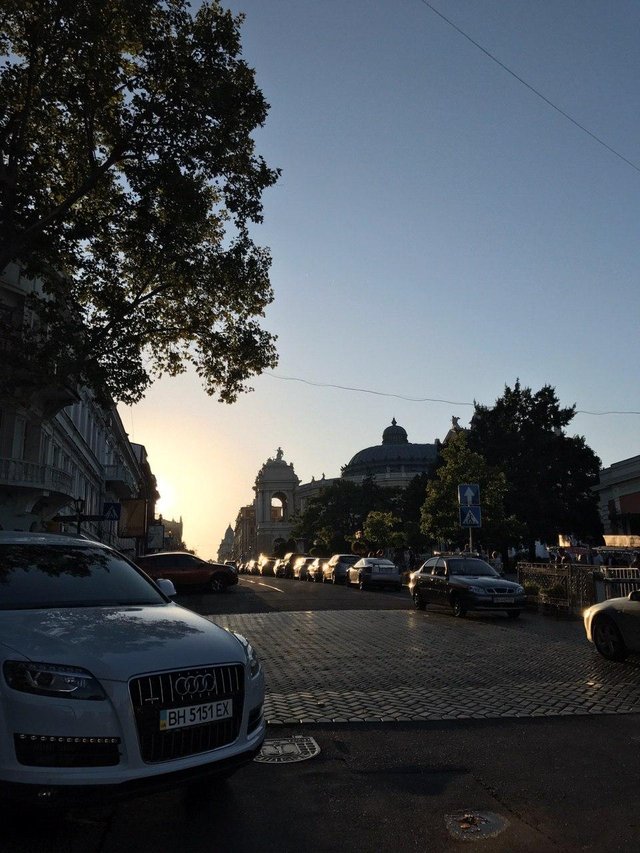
x=571 y=587
x=17 y=472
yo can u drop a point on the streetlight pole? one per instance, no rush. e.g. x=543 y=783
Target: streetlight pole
x=79 y=507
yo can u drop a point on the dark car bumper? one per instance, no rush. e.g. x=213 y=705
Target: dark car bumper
x=481 y=602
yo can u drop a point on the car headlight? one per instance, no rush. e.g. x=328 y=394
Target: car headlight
x=50 y=679
x=479 y=590
x=519 y=590
x=252 y=655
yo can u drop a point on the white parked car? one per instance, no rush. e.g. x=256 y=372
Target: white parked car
x=614 y=626
x=374 y=572
x=107 y=687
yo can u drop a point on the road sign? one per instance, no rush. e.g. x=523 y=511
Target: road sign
x=469 y=494
x=111 y=511
x=470 y=516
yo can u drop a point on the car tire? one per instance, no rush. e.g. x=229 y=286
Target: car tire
x=459 y=610
x=418 y=601
x=513 y=614
x=608 y=640
x=217 y=584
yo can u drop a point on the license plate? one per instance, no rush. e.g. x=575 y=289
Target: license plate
x=503 y=599
x=382 y=570
x=195 y=715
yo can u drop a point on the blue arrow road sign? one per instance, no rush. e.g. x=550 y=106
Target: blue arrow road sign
x=470 y=516
x=469 y=494
x=111 y=511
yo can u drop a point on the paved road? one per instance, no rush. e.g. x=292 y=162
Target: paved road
x=519 y=722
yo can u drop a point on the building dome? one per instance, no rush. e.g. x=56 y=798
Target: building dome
x=396 y=460
x=395 y=434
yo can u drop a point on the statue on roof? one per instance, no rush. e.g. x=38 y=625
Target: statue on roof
x=279 y=454
x=455 y=422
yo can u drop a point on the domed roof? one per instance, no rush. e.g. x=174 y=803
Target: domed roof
x=396 y=451
x=395 y=434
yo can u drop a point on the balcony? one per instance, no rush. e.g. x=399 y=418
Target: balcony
x=31 y=475
x=120 y=480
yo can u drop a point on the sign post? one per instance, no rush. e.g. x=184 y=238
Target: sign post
x=469 y=508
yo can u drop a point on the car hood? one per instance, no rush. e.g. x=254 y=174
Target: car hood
x=118 y=642
x=484 y=582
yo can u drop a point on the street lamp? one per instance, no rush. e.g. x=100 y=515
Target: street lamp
x=78 y=504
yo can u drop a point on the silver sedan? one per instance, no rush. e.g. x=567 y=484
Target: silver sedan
x=374 y=572
x=614 y=626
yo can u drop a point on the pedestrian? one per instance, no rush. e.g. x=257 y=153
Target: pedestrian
x=597 y=559
x=496 y=562
x=563 y=558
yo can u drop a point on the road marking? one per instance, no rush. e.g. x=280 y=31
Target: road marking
x=268 y=586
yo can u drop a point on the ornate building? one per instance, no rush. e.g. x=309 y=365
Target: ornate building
x=275 y=502
x=225 y=551
x=393 y=463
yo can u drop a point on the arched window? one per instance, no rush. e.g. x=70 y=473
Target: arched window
x=279 y=507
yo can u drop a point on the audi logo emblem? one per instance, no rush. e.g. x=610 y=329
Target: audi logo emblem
x=186 y=685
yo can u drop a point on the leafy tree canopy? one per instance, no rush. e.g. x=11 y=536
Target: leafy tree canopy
x=379 y=529
x=440 y=512
x=128 y=185
x=549 y=474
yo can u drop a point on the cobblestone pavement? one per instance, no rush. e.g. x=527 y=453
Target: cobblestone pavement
x=364 y=666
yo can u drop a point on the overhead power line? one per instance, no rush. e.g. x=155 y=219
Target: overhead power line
x=413 y=399
x=531 y=88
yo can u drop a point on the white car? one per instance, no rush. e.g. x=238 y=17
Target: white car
x=107 y=687
x=614 y=626
x=374 y=572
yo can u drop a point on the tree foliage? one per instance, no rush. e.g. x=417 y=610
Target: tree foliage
x=440 y=512
x=379 y=528
x=128 y=185
x=549 y=474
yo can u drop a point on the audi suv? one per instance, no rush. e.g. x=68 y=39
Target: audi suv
x=109 y=688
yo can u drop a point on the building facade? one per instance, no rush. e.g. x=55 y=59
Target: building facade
x=619 y=499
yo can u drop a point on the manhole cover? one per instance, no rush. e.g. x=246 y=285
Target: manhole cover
x=285 y=750
x=475 y=826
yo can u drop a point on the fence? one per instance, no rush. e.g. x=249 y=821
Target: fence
x=572 y=587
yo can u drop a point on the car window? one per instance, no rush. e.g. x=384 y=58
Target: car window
x=439 y=568
x=43 y=576
x=471 y=568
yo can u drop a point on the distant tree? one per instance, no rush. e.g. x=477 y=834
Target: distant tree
x=440 y=511
x=128 y=185
x=549 y=474
x=379 y=528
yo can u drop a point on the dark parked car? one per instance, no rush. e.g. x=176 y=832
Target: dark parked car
x=464 y=583
x=289 y=560
x=267 y=567
x=314 y=570
x=187 y=571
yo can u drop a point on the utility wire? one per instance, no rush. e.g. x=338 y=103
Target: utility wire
x=531 y=89
x=412 y=399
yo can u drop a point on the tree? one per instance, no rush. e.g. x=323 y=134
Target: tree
x=549 y=474
x=440 y=511
x=379 y=528
x=128 y=184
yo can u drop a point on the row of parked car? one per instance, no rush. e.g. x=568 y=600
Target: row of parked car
x=339 y=569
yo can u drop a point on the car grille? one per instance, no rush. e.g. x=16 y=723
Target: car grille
x=152 y=693
x=502 y=590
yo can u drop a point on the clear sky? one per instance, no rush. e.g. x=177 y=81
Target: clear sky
x=438 y=231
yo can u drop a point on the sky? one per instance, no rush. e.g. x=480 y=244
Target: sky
x=438 y=231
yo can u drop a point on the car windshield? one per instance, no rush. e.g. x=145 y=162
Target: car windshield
x=43 y=576
x=472 y=568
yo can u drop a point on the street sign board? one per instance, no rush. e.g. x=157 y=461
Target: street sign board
x=470 y=516
x=111 y=511
x=469 y=494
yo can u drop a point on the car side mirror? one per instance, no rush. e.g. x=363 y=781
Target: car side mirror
x=167 y=587
x=634 y=595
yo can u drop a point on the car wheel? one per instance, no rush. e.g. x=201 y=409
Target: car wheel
x=513 y=614
x=418 y=601
x=608 y=640
x=217 y=584
x=458 y=607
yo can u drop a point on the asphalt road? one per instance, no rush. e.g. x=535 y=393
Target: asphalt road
x=556 y=775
